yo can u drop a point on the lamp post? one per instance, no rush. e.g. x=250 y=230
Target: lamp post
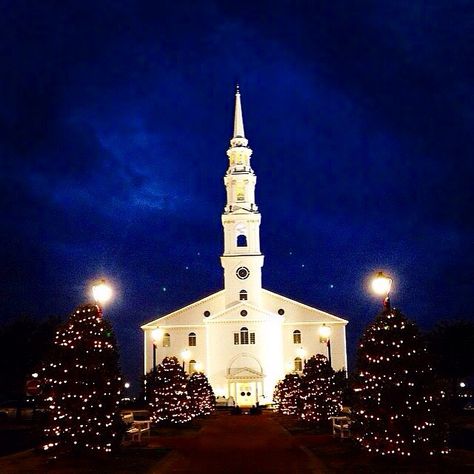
x=325 y=338
x=156 y=336
x=186 y=355
x=101 y=292
x=381 y=285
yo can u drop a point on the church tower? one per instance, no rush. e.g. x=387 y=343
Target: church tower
x=242 y=260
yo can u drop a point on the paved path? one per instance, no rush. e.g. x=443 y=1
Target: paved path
x=238 y=444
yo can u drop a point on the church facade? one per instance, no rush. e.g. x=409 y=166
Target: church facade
x=244 y=337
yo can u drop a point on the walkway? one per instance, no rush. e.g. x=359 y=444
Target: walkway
x=237 y=444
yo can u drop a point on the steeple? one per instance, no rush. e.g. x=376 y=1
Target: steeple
x=242 y=259
x=239 y=132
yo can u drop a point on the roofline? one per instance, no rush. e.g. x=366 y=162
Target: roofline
x=152 y=323
x=304 y=305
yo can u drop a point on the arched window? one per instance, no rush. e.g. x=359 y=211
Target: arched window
x=166 y=340
x=243 y=295
x=244 y=336
x=298 y=364
x=192 y=366
x=192 y=339
x=241 y=240
x=297 y=337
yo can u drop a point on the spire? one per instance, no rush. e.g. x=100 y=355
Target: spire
x=239 y=133
x=238 y=120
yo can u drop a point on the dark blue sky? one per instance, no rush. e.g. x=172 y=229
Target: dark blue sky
x=114 y=121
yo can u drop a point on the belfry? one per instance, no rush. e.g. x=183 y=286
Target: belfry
x=244 y=338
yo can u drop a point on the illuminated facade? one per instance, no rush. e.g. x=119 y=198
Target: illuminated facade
x=244 y=338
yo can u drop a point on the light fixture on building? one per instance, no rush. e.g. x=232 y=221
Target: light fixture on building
x=325 y=338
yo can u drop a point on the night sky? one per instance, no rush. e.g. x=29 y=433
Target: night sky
x=115 y=117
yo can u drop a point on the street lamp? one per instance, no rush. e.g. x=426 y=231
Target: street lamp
x=101 y=292
x=325 y=338
x=381 y=285
x=186 y=355
x=156 y=336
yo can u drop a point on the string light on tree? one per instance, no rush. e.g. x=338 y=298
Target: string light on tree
x=82 y=386
x=397 y=412
x=202 y=399
x=320 y=399
x=287 y=394
x=167 y=393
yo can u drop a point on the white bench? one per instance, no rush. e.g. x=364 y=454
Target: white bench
x=135 y=428
x=341 y=426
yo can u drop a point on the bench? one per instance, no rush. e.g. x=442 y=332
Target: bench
x=341 y=426
x=135 y=428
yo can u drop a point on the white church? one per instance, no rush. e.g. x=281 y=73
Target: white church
x=244 y=338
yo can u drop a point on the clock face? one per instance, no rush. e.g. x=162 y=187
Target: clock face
x=242 y=273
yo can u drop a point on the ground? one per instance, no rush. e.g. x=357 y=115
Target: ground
x=230 y=444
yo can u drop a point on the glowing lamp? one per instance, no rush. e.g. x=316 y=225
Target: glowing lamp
x=156 y=334
x=186 y=355
x=198 y=366
x=381 y=284
x=126 y=385
x=324 y=333
x=101 y=292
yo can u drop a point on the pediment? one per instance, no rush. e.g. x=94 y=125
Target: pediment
x=233 y=314
x=241 y=373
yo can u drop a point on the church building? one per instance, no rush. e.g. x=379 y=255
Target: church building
x=244 y=337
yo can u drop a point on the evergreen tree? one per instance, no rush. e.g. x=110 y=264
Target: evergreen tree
x=397 y=411
x=289 y=393
x=82 y=386
x=277 y=395
x=319 y=397
x=202 y=399
x=167 y=393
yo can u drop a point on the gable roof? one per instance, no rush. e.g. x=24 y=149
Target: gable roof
x=182 y=311
x=323 y=316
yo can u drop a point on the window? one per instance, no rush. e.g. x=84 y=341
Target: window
x=241 y=240
x=297 y=337
x=243 y=295
x=244 y=336
x=192 y=339
x=192 y=366
x=166 y=340
x=298 y=364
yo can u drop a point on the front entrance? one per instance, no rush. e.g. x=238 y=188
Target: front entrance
x=246 y=394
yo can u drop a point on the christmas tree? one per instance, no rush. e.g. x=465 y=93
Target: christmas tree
x=82 y=386
x=289 y=393
x=167 y=393
x=202 y=397
x=397 y=410
x=320 y=398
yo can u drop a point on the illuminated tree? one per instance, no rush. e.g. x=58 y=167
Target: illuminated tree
x=202 y=399
x=167 y=393
x=82 y=386
x=398 y=407
x=320 y=398
x=289 y=393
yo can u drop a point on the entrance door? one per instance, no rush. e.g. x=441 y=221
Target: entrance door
x=246 y=394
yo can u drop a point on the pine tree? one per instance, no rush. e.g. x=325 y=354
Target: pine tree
x=319 y=397
x=201 y=394
x=398 y=407
x=82 y=386
x=167 y=393
x=289 y=394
